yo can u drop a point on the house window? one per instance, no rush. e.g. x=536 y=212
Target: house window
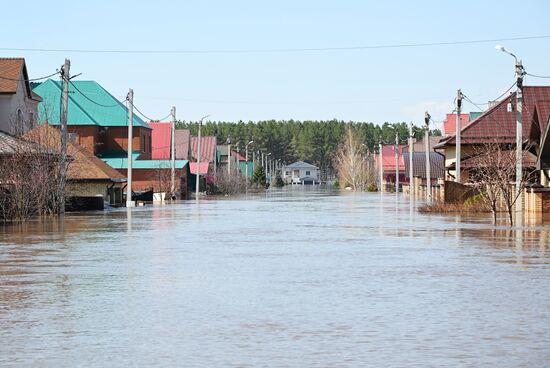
x=308 y=173
x=287 y=173
x=142 y=148
x=19 y=119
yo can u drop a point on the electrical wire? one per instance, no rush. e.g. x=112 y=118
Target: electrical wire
x=486 y=103
x=30 y=80
x=148 y=118
x=537 y=76
x=92 y=101
x=281 y=50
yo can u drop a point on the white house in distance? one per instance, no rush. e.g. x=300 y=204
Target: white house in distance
x=301 y=173
x=17 y=101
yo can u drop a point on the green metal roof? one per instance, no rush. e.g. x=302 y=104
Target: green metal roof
x=475 y=114
x=122 y=163
x=89 y=104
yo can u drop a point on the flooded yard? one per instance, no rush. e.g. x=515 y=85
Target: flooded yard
x=293 y=278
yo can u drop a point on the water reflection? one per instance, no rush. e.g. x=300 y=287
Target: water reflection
x=293 y=277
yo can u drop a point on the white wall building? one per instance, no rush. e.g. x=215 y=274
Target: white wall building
x=17 y=101
x=301 y=173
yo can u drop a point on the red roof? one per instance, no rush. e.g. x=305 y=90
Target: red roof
x=449 y=125
x=183 y=140
x=203 y=167
x=208 y=148
x=499 y=122
x=237 y=156
x=388 y=157
x=161 y=140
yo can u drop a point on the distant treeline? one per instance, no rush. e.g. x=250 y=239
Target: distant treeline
x=311 y=141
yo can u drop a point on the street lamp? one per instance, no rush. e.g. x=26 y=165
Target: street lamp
x=519 y=129
x=246 y=158
x=266 y=165
x=198 y=182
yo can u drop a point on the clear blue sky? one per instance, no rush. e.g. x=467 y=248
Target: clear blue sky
x=375 y=85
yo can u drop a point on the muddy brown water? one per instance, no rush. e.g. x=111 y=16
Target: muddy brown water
x=293 y=278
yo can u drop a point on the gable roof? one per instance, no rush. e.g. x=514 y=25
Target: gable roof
x=183 y=141
x=10 y=144
x=499 y=123
x=208 y=147
x=238 y=156
x=84 y=165
x=161 y=140
x=388 y=157
x=437 y=165
x=89 y=104
x=301 y=165
x=13 y=71
x=449 y=125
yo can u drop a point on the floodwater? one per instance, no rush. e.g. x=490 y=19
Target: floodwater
x=294 y=278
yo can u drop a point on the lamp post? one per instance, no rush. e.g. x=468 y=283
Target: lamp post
x=427 y=118
x=520 y=72
x=246 y=158
x=198 y=175
x=266 y=165
x=229 y=156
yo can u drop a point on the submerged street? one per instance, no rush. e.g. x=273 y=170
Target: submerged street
x=294 y=277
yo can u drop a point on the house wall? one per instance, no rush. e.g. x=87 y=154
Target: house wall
x=158 y=179
x=450 y=158
x=86 y=136
x=298 y=173
x=90 y=189
x=10 y=104
x=116 y=139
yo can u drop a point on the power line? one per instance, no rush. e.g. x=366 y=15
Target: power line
x=494 y=99
x=538 y=76
x=280 y=50
x=29 y=80
x=89 y=99
x=148 y=118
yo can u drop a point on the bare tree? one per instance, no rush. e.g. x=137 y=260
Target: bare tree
x=494 y=177
x=350 y=162
x=29 y=177
x=229 y=183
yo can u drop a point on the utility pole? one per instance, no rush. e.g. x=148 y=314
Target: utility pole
x=173 y=154
x=229 y=156
x=519 y=140
x=427 y=118
x=411 y=153
x=381 y=168
x=65 y=75
x=246 y=160
x=396 y=162
x=457 y=135
x=129 y=202
x=198 y=174
x=520 y=72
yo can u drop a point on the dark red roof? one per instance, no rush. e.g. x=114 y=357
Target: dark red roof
x=161 y=140
x=208 y=148
x=500 y=123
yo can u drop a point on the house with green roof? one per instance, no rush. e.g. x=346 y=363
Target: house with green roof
x=96 y=119
x=99 y=122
